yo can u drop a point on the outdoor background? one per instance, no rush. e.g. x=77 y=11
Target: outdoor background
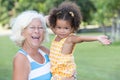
x=94 y=60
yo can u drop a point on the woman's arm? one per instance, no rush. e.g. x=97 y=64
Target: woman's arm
x=20 y=67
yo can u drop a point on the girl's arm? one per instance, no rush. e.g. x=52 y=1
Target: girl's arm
x=102 y=38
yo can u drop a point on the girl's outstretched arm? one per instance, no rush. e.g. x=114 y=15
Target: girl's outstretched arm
x=102 y=38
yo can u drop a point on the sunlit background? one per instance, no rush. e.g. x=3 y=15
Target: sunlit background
x=94 y=61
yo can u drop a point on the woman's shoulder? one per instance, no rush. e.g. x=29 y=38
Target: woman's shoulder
x=19 y=56
x=20 y=59
x=20 y=63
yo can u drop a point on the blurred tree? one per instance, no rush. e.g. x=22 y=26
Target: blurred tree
x=5 y=10
x=23 y=5
x=10 y=8
x=106 y=10
x=100 y=10
x=87 y=8
x=51 y=4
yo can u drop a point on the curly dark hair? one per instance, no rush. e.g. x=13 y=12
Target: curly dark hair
x=68 y=11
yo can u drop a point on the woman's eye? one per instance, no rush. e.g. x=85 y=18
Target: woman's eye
x=40 y=27
x=32 y=27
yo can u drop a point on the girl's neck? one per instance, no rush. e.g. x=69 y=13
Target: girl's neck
x=58 y=38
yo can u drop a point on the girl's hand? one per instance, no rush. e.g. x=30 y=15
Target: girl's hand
x=104 y=39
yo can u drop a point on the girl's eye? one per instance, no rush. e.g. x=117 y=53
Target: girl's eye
x=66 y=28
x=58 y=27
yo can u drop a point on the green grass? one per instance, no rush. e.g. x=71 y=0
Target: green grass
x=94 y=61
x=7 y=51
x=97 y=62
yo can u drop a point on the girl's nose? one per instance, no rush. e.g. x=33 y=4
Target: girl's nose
x=62 y=30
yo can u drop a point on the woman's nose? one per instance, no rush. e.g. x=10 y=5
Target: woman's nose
x=36 y=29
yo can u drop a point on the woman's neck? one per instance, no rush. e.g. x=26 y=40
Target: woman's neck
x=30 y=50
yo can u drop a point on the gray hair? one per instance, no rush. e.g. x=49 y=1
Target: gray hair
x=21 y=22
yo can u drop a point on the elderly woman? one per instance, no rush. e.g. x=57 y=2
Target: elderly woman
x=31 y=61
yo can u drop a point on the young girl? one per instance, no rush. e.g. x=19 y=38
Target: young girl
x=64 y=21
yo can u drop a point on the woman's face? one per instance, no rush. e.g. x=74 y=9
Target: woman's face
x=34 y=33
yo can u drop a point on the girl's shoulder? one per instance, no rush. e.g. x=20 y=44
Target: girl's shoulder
x=74 y=39
x=71 y=37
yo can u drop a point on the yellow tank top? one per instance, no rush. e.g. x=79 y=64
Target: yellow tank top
x=62 y=65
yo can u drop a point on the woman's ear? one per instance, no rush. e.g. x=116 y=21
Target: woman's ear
x=47 y=20
x=23 y=33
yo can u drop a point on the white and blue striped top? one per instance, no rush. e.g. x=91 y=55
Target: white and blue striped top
x=38 y=71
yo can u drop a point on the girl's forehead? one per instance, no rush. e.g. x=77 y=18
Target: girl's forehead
x=61 y=21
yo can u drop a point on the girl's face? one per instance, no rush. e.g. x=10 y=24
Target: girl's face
x=34 y=33
x=62 y=28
